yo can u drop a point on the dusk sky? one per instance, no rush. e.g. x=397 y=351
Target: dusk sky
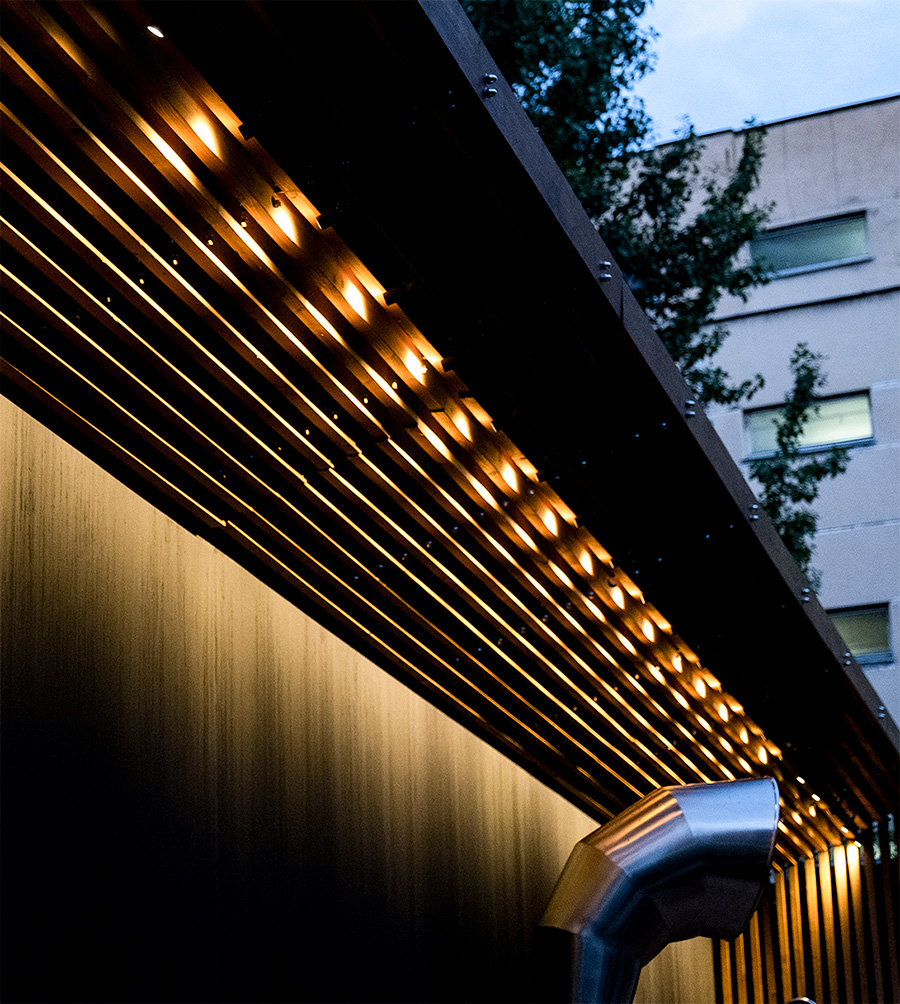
x=723 y=61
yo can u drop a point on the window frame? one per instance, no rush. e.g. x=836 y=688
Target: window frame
x=879 y=657
x=869 y=440
x=813 y=224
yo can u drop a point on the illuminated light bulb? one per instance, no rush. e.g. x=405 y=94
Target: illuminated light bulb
x=393 y=385
x=744 y=736
x=647 y=629
x=200 y=125
x=704 y=723
x=723 y=712
x=844 y=829
x=812 y=810
x=700 y=686
x=155 y=31
x=243 y=218
x=587 y=562
x=726 y=745
x=745 y=765
x=681 y=700
x=549 y=519
x=285 y=222
x=618 y=597
x=797 y=817
x=462 y=423
x=509 y=476
x=677 y=664
x=353 y=296
x=816 y=798
x=763 y=755
x=657 y=674
x=801 y=780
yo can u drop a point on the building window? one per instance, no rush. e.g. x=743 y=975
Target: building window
x=866 y=631
x=840 y=240
x=838 y=420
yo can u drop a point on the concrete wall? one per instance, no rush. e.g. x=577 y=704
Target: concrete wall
x=208 y=797
x=816 y=166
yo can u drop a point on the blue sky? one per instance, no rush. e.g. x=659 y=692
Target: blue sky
x=722 y=61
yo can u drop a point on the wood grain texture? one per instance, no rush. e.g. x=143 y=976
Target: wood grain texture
x=209 y=797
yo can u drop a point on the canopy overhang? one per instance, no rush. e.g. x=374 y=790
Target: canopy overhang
x=304 y=275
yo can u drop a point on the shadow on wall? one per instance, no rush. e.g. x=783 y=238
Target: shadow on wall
x=208 y=797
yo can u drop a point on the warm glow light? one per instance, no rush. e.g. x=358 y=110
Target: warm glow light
x=353 y=296
x=461 y=421
x=723 y=712
x=797 y=817
x=816 y=798
x=745 y=765
x=201 y=126
x=155 y=31
x=285 y=221
x=680 y=698
x=676 y=662
x=657 y=674
x=524 y=536
x=416 y=365
x=435 y=441
x=726 y=745
x=561 y=575
x=587 y=562
x=647 y=628
x=628 y=646
x=801 y=780
x=618 y=597
x=483 y=492
x=744 y=736
x=700 y=686
x=704 y=723
x=550 y=522
x=812 y=810
x=509 y=476
x=763 y=755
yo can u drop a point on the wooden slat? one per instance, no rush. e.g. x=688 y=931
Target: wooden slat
x=856 y=897
x=830 y=937
x=811 y=915
x=782 y=918
x=757 y=992
x=846 y=960
x=870 y=915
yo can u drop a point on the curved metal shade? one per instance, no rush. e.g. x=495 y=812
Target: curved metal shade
x=682 y=862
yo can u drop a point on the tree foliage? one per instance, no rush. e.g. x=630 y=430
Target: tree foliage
x=789 y=478
x=677 y=235
x=572 y=64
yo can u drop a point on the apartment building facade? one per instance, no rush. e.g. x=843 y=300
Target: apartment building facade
x=833 y=243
